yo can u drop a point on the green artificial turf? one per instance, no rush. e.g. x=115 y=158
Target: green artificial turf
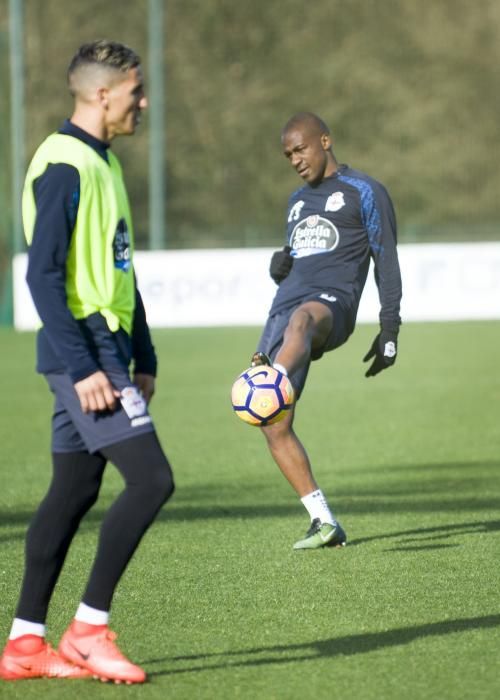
x=215 y=604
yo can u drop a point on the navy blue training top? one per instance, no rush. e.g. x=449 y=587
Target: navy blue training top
x=334 y=228
x=64 y=344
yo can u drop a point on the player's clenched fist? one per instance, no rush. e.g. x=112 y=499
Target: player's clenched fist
x=281 y=264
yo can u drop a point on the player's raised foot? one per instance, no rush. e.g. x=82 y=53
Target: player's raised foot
x=94 y=648
x=322 y=535
x=30 y=656
x=260 y=358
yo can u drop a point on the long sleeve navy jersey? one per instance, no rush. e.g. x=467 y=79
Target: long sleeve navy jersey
x=65 y=344
x=333 y=229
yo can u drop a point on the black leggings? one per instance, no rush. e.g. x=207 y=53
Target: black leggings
x=73 y=491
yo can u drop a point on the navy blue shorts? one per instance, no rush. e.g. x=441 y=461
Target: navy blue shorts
x=274 y=331
x=75 y=431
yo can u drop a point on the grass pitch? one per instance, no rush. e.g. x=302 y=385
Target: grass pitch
x=216 y=604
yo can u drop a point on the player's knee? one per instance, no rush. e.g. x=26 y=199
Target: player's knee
x=165 y=484
x=159 y=483
x=277 y=431
x=72 y=503
x=301 y=321
x=145 y=468
x=86 y=501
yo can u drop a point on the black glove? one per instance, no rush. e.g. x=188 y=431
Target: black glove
x=281 y=264
x=384 y=349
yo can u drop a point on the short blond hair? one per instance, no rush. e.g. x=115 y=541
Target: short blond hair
x=101 y=54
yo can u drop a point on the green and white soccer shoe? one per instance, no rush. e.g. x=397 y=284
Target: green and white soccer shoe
x=322 y=535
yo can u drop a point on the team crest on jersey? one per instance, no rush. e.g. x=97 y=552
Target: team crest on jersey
x=313 y=235
x=134 y=406
x=335 y=201
x=295 y=211
x=121 y=246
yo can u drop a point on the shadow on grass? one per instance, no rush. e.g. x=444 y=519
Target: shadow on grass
x=426 y=534
x=173 y=513
x=493 y=464
x=322 y=649
x=421 y=539
x=243 y=500
x=420 y=548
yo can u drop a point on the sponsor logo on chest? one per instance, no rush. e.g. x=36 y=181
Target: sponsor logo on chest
x=313 y=235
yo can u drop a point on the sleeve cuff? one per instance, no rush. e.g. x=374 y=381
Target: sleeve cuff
x=82 y=373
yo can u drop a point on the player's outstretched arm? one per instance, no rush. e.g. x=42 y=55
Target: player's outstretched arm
x=383 y=244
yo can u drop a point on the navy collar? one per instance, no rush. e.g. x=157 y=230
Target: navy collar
x=70 y=129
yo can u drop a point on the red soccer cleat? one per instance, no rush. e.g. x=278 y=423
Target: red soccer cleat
x=94 y=648
x=30 y=656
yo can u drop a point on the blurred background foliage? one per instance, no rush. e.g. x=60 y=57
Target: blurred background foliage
x=410 y=91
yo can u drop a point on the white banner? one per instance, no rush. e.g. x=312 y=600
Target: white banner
x=232 y=287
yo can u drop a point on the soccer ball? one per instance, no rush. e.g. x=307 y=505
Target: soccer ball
x=262 y=395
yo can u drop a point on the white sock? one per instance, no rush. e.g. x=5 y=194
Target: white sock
x=91 y=616
x=317 y=507
x=280 y=368
x=21 y=627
